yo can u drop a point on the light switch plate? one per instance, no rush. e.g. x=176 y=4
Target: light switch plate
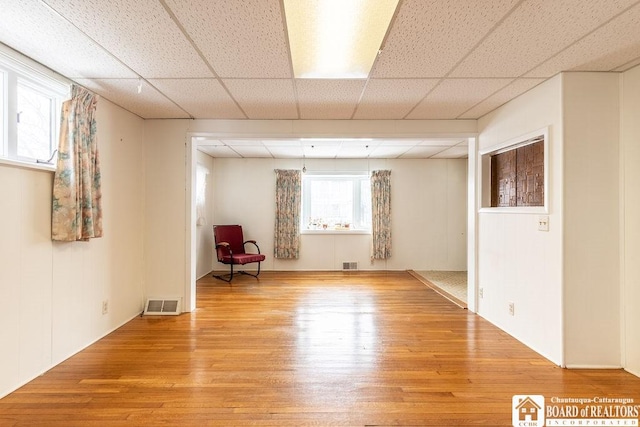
x=543 y=223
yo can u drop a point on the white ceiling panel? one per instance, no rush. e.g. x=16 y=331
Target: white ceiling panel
x=202 y=141
x=239 y=38
x=453 y=97
x=282 y=143
x=389 y=151
x=252 y=151
x=441 y=142
x=141 y=33
x=504 y=95
x=264 y=99
x=457 y=152
x=356 y=150
x=533 y=32
x=629 y=65
x=328 y=99
x=55 y=43
x=389 y=99
x=422 y=151
x=148 y=104
x=285 y=151
x=430 y=37
x=594 y=53
x=218 y=151
x=321 y=151
x=201 y=98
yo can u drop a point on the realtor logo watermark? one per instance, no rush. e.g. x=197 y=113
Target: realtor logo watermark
x=538 y=411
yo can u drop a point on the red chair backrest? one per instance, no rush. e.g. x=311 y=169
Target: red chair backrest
x=232 y=234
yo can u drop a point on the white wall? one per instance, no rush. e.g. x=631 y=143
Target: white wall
x=516 y=262
x=591 y=111
x=428 y=213
x=630 y=159
x=205 y=256
x=165 y=217
x=565 y=282
x=53 y=292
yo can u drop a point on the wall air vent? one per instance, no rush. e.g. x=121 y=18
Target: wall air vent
x=349 y=265
x=162 y=307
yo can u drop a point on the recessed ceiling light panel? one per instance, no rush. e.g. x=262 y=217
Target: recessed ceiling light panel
x=336 y=38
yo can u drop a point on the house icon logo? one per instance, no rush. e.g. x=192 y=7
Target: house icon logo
x=528 y=410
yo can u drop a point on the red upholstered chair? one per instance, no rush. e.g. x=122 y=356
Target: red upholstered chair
x=230 y=249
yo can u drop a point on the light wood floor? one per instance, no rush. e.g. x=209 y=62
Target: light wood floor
x=304 y=349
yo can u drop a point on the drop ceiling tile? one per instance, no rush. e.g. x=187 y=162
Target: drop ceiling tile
x=236 y=142
x=611 y=46
x=219 y=151
x=389 y=151
x=629 y=65
x=124 y=92
x=281 y=142
x=202 y=98
x=453 y=97
x=389 y=99
x=328 y=99
x=457 y=152
x=56 y=43
x=429 y=37
x=440 y=142
x=422 y=152
x=285 y=151
x=204 y=142
x=264 y=98
x=141 y=33
x=239 y=38
x=324 y=151
x=504 y=95
x=536 y=31
x=355 y=150
x=251 y=151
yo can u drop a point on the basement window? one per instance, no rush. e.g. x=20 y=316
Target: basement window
x=30 y=102
x=336 y=202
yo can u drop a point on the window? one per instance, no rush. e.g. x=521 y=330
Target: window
x=30 y=102
x=336 y=202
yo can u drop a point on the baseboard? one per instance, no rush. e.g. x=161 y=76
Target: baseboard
x=594 y=367
x=633 y=372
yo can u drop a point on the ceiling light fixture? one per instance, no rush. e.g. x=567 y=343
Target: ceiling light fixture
x=336 y=38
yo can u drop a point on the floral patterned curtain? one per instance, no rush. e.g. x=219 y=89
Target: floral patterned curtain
x=288 y=203
x=77 y=207
x=381 y=214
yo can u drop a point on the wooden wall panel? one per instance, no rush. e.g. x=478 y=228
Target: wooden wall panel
x=517 y=176
x=503 y=179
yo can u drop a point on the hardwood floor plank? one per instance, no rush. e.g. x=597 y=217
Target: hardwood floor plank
x=317 y=349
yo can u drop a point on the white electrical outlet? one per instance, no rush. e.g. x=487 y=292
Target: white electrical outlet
x=481 y=292
x=105 y=306
x=512 y=309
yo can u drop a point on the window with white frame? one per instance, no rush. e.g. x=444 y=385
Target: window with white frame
x=30 y=102
x=336 y=202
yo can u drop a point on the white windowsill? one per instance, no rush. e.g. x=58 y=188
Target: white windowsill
x=539 y=210
x=335 y=232
x=27 y=165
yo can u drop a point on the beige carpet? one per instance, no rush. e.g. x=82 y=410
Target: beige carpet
x=452 y=282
